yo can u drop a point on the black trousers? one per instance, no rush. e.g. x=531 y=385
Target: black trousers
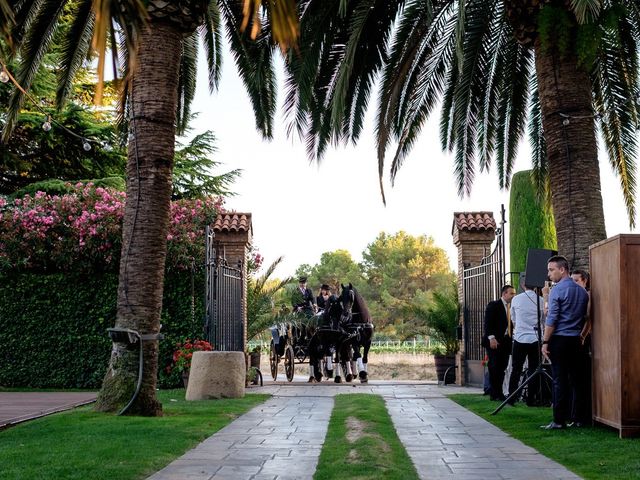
x=498 y=361
x=568 y=383
x=522 y=351
x=581 y=408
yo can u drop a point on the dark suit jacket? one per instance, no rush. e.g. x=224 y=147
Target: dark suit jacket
x=304 y=300
x=495 y=323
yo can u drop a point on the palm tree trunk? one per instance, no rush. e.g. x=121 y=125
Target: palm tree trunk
x=565 y=88
x=146 y=220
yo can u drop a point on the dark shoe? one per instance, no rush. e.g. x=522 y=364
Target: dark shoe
x=512 y=402
x=554 y=426
x=575 y=424
x=499 y=398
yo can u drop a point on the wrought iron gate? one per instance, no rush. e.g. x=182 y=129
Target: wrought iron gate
x=224 y=318
x=482 y=284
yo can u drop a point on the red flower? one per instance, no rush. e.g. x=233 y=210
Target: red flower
x=184 y=351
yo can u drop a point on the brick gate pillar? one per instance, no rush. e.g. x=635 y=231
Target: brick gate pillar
x=473 y=233
x=233 y=236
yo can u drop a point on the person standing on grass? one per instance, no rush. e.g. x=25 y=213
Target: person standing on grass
x=561 y=343
x=497 y=339
x=526 y=310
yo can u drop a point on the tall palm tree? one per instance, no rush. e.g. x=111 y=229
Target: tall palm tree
x=564 y=67
x=160 y=45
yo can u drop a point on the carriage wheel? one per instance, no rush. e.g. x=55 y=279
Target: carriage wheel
x=288 y=362
x=273 y=361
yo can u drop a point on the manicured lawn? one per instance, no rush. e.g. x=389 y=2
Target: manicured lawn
x=593 y=452
x=81 y=444
x=361 y=442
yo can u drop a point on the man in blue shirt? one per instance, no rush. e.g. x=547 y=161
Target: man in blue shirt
x=561 y=342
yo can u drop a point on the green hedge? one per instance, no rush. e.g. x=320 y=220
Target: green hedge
x=531 y=221
x=53 y=327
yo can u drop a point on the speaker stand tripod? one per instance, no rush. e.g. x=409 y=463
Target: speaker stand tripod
x=539 y=371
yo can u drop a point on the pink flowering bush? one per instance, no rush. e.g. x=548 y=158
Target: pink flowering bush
x=83 y=229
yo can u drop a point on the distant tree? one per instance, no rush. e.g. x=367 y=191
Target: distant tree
x=193 y=166
x=402 y=263
x=335 y=268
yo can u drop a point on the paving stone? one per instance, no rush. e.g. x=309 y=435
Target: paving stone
x=282 y=439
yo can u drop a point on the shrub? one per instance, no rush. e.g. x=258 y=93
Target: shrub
x=54 y=327
x=82 y=230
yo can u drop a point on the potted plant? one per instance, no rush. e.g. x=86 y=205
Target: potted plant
x=441 y=316
x=183 y=353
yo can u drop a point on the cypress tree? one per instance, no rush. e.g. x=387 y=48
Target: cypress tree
x=531 y=219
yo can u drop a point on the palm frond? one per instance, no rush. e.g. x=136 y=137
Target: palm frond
x=586 y=10
x=540 y=170
x=187 y=81
x=131 y=15
x=75 y=48
x=32 y=50
x=254 y=62
x=211 y=36
x=615 y=81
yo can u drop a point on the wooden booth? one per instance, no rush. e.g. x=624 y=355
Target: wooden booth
x=615 y=309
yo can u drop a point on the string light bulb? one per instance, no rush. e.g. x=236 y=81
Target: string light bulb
x=46 y=126
x=86 y=146
x=4 y=76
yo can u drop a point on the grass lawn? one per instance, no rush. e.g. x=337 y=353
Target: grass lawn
x=362 y=443
x=595 y=452
x=82 y=444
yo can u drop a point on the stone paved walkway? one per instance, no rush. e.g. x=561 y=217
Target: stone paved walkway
x=282 y=438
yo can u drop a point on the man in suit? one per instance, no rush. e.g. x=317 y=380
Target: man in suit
x=497 y=339
x=303 y=300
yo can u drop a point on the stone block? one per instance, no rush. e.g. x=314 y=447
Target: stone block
x=216 y=375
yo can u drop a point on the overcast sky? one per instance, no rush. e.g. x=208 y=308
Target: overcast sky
x=301 y=210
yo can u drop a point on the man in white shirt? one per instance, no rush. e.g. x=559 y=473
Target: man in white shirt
x=526 y=309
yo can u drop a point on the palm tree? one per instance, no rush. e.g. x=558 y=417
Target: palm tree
x=261 y=293
x=160 y=45
x=562 y=67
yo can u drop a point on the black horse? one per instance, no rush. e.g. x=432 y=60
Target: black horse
x=328 y=338
x=357 y=322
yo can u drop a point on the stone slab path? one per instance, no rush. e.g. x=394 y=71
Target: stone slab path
x=282 y=438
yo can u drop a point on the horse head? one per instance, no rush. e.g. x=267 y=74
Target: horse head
x=347 y=299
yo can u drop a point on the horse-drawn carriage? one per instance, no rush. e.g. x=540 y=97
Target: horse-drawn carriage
x=327 y=341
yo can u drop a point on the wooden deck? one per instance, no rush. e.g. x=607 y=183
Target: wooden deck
x=16 y=407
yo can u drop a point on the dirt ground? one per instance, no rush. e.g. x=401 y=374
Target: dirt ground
x=383 y=366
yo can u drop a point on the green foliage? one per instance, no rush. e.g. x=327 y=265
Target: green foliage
x=33 y=155
x=192 y=176
x=374 y=452
x=531 y=220
x=555 y=27
x=396 y=268
x=440 y=312
x=81 y=443
x=54 y=327
x=334 y=268
x=61 y=187
x=262 y=292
